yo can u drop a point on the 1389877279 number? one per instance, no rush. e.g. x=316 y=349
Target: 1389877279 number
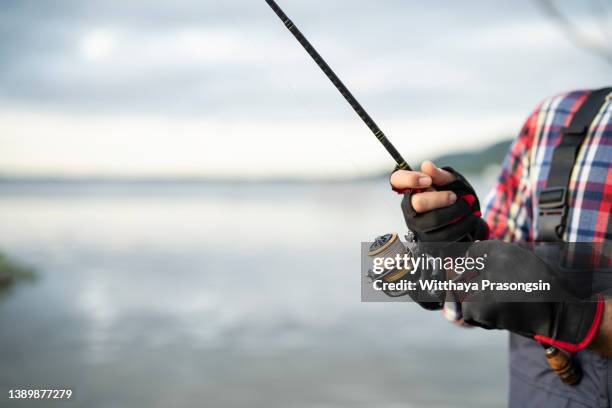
x=55 y=394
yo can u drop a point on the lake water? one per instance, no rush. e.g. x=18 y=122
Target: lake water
x=242 y=295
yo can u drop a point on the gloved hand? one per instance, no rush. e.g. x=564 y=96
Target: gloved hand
x=447 y=211
x=556 y=318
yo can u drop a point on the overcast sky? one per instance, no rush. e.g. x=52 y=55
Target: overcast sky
x=221 y=88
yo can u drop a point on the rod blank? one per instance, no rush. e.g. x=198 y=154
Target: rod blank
x=401 y=163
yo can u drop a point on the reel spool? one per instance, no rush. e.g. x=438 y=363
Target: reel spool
x=389 y=246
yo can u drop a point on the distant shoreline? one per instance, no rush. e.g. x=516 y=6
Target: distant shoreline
x=183 y=180
x=470 y=162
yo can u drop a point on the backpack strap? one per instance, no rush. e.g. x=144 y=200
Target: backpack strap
x=553 y=200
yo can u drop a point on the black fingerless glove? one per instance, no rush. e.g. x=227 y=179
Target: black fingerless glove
x=460 y=221
x=568 y=322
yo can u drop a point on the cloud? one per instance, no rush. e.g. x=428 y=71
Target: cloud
x=117 y=62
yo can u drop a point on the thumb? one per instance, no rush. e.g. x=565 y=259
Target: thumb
x=439 y=176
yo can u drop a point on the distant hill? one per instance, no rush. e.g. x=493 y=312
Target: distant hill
x=469 y=162
x=475 y=161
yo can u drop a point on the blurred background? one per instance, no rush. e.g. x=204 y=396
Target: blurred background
x=183 y=193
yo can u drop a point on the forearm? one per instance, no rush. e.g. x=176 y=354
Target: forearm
x=602 y=343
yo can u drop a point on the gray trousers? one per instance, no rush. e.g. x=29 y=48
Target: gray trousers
x=534 y=384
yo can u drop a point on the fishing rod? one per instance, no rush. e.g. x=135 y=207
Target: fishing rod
x=401 y=163
x=562 y=364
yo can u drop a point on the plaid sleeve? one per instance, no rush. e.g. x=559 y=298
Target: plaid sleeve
x=508 y=208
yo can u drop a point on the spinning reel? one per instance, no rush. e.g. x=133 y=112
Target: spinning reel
x=389 y=246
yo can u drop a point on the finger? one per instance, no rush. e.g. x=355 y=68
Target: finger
x=439 y=176
x=403 y=179
x=423 y=202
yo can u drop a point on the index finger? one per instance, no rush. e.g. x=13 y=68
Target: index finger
x=439 y=176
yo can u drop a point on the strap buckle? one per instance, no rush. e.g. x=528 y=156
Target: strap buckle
x=552 y=198
x=552 y=208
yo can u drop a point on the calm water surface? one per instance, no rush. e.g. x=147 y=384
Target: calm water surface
x=193 y=294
